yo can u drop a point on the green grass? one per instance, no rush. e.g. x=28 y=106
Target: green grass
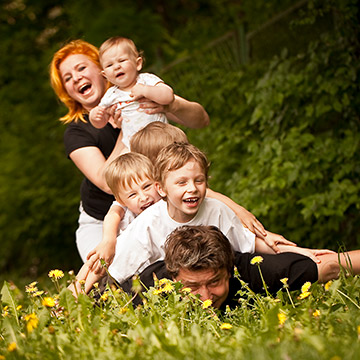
x=173 y=324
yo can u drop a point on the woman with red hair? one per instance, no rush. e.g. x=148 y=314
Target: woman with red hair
x=76 y=78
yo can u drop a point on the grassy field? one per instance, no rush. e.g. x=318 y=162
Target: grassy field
x=316 y=322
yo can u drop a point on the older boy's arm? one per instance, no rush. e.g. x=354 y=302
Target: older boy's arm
x=160 y=93
x=246 y=217
x=106 y=249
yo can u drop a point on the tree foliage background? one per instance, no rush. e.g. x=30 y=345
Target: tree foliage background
x=284 y=134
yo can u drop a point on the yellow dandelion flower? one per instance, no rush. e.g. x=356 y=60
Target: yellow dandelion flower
x=304 y=295
x=225 y=326
x=19 y=307
x=157 y=291
x=168 y=288
x=31 y=288
x=164 y=281
x=236 y=271
x=56 y=274
x=12 y=347
x=206 y=304
x=123 y=310
x=306 y=287
x=284 y=280
x=186 y=290
x=282 y=318
x=358 y=330
x=104 y=296
x=316 y=313
x=82 y=282
x=48 y=302
x=328 y=285
x=256 y=260
x=37 y=293
x=96 y=285
x=2 y=357
x=5 y=311
x=31 y=322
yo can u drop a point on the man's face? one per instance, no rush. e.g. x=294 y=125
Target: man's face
x=209 y=284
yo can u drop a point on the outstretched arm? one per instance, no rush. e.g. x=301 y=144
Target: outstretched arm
x=180 y=111
x=106 y=249
x=246 y=217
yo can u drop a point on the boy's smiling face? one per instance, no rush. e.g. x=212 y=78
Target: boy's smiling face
x=184 y=189
x=139 y=195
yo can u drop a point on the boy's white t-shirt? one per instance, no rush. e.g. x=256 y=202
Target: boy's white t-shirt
x=133 y=120
x=142 y=243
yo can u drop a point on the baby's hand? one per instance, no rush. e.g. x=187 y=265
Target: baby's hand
x=99 y=116
x=138 y=91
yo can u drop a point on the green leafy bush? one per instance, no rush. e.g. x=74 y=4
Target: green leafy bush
x=284 y=138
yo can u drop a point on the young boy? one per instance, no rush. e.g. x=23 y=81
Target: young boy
x=130 y=177
x=121 y=63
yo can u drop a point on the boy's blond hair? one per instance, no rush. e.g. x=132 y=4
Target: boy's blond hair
x=119 y=40
x=154 y=137
x=127 y=169
x=175 y=156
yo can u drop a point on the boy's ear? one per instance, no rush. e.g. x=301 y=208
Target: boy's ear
x=139 y=63
x=103 y=74
x=160 y=190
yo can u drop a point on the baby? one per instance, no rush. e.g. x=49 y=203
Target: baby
x=121 y=63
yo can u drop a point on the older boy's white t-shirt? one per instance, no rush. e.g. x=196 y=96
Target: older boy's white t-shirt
x=142 y=243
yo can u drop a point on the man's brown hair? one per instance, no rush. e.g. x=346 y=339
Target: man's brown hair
x=197 y=248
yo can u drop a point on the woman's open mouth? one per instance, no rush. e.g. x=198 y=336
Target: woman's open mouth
x=84 y=88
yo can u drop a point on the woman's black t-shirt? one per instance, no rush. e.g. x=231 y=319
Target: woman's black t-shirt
x=95 y=202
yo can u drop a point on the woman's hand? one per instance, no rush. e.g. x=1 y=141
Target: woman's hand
x=115 y=115
x=150 y=107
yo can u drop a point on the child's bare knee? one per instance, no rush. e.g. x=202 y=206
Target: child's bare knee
x=328 y=270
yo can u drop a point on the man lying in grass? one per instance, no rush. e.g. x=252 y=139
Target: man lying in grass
x=202 y=259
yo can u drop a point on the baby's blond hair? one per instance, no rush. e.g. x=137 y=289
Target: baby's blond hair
x=154 y=137
x=127 y=169
x=119 y=40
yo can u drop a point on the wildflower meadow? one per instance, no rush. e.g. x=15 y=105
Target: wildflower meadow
x=319 y=321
